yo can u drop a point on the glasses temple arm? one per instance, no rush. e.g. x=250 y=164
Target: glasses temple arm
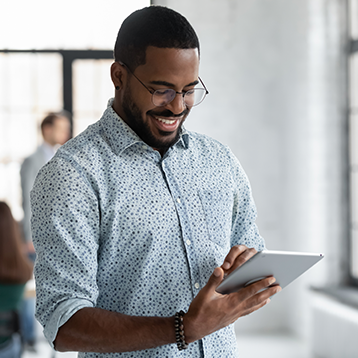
x=207 y=92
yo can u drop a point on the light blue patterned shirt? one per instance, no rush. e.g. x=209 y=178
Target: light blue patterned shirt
x=119 y=227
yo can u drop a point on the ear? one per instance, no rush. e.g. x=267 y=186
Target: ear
x=118 y=74
x=46 y=132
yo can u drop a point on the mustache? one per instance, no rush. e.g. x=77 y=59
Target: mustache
x=168 y=113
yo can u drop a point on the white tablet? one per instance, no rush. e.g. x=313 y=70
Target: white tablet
x=285 y=266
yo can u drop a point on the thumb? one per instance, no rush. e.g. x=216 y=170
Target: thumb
x=215 y=279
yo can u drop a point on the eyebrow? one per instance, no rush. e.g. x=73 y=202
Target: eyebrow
x=168 y=84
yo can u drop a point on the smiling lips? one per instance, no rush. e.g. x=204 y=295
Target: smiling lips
x=166 y=121
x=165 y=124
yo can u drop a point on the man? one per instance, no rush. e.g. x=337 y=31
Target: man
x=133 y=218
x=55 y=129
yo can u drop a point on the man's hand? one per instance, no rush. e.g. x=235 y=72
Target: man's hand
x=237 y=256
x=97 y=330
x=211 y=311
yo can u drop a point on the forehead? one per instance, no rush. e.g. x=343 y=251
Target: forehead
x=170 y=63
x=61 y=121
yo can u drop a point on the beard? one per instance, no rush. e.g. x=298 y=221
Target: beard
x=142 y=129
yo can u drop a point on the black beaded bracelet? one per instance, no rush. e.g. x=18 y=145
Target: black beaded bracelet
x=179 y=331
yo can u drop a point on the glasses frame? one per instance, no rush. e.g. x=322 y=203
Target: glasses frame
x=153 y=91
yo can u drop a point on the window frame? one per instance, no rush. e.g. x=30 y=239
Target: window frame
x=68 y=57
x=353 y=50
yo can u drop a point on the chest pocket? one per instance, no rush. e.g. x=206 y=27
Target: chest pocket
x=217 y=205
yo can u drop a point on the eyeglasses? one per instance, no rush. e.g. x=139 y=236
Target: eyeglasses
x=162 y=97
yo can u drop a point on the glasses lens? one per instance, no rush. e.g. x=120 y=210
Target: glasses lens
x=163 y=97
x=194 y=97
x=191 y=98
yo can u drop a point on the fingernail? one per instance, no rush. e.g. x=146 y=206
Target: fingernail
x=267 y=301
x=226 y=265
x=272 y=281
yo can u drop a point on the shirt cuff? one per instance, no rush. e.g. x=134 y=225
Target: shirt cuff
x=64 y=311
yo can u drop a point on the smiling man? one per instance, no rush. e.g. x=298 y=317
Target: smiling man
x=137 y=220
x=170 y=76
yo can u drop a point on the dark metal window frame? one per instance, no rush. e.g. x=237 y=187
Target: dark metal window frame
x=353 y=281
x=68 y=56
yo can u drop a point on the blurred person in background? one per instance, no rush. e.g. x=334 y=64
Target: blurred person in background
x=15 y=271
x=56 y=130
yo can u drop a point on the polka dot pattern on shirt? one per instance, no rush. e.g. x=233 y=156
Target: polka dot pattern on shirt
x=117 y=226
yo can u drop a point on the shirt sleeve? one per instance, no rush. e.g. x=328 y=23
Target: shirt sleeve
x=244 y=229
x=65 y=226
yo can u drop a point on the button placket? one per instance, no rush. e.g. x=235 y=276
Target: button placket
x=186 y=234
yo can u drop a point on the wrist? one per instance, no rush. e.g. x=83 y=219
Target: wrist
x=179 y=331
x=190 y=331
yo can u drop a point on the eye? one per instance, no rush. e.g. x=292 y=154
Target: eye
x=164 y=92
x=190 y=92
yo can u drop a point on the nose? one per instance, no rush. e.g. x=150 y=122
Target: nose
x=177 y=105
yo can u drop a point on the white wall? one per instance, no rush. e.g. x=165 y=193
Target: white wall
x=276 y=72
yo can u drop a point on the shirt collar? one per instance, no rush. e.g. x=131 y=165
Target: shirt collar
x=121 y=136
x=48 y=150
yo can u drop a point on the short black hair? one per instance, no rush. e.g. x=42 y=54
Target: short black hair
x=156 y=26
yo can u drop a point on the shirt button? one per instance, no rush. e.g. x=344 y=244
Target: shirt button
x=144 y=147
x=188 y=242
x=197 y=285
x=178 y=200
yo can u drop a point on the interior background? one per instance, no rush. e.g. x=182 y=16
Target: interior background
x=276 y=71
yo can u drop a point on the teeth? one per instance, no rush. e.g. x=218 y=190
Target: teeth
x=166 y=121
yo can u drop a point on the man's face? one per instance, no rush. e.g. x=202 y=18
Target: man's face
x=164 y=68
x=59 y=132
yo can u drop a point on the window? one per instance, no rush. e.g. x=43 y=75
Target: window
x=48 y=63
x=90 y=101
x=353 y=130
x=30 y=87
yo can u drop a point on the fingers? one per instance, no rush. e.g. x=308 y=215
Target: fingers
x=261 y=289
x=255 y=308
x=237 y=256
x=256 y=295
x=215 y=279
x=211 y=311
x=232 y=255
x=262 y=284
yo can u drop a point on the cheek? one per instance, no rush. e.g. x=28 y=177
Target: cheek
x=143 y=104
